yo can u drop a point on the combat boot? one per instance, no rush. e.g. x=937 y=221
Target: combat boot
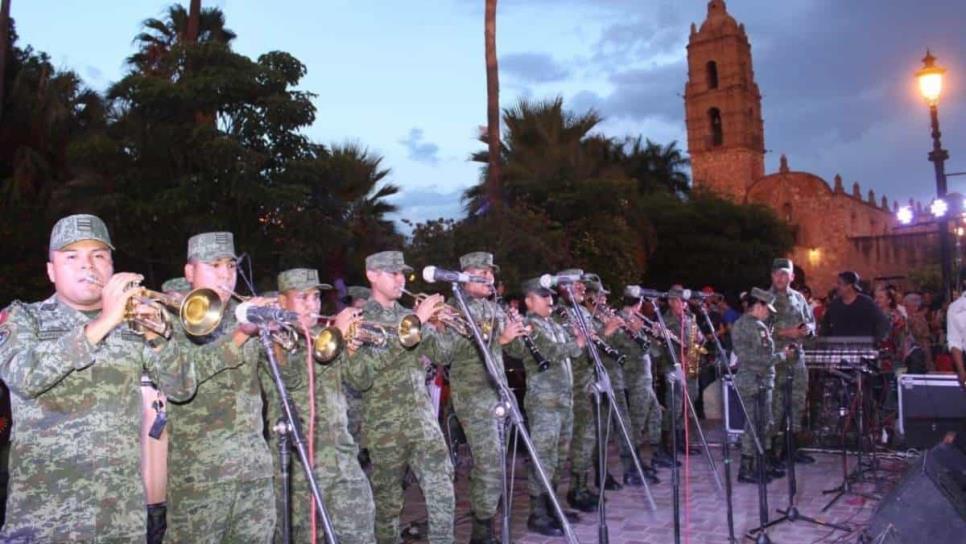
x=483 y=532
x=610 y=484
x=579 y=496
x=540 y=521
x=663 y=459
x=774 y=465
x=747 y=473
x=572 y=517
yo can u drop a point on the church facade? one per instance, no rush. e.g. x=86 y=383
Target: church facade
x=834 y=229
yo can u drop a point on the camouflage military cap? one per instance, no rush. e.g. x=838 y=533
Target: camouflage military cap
x=75 y=228
x=676 y=292
x=358 y=292
x=571 y=272
x=765 y=297
x=532 y=285
x=782 y=264
x=176 y=285
x=269 y=294
x=593 y=283
x=211 y=246
x=301 y=279
x=388 y=261
x=478 y=259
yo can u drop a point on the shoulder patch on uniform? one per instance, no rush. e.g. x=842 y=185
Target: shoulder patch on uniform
x=4 y=334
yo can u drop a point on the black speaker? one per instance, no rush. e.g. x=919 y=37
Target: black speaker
x=930 y=405
x=734 y=415
x=928 y=506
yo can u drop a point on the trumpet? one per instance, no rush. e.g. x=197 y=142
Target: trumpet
x=330 y=341
x=285 y=337
x=445 y=313
x=654 y=328
x=602 y=346
x=199 y=311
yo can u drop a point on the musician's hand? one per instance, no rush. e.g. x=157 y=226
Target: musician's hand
x=114 y=299
x=512 y=331
x=429 y=307
x=789 y=352
x=611 y=326
x=346 y=318
x=792 y=332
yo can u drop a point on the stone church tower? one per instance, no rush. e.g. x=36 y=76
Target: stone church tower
x=726 y=137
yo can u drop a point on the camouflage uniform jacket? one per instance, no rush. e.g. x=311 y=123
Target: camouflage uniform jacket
x=74 y=461
x=583 y=367
x=468 y=376
x=333 y=443
x=673 y=324
x=636 y=364
x=755 y=350
x=792 y=310
x=392 y=380
x=554 y=386
x=615 y=371
x=217 y=435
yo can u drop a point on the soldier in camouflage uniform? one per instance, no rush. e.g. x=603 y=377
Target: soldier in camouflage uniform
x=356 y=297
x=595 y=301
x=755 y=349
x=645 y=410
x=474 y=394
x=584 y=441
x=348 y=498
x=73 y=369
x=548 y=402
x=399 y=423
x=792 y=323
x=678 y=321
x=219 y=465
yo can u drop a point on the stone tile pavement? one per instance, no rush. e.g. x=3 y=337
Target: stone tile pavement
x=703 y=508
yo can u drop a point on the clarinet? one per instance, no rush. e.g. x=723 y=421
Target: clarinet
x=602 y=346
x=542 y=363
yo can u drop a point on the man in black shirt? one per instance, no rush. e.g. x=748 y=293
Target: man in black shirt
x=853 y=313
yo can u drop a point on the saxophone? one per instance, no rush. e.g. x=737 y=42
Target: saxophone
x=694 y=351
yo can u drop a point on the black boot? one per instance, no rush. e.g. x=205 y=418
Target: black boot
x=157 y=522
x=572 y=517
x=610 y=484
x=747 y=474
x=801 y=457
x=579 y=496
x=483 y=532
x=632 y=478
x=774 y=466
x=651 y=474
x=540 y=521
x=662 y=458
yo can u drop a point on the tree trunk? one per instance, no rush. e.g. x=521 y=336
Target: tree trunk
x=194 y=16
x=4 y=39
x=493 y=178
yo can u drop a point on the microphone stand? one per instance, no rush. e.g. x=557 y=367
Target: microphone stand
x=724 y=363
x=603 y=387
x=295 y=432
x=507 y=409
x=284 y=458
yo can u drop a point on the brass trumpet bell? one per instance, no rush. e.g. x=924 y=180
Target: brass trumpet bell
x=327 y=345
x=201 y=311
x=409 y=331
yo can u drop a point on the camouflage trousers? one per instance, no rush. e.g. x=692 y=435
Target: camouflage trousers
x=799 y=392
x=345 y=490
x=678 y=411
x=645 y=410
x=583 y=443
x=551 y=426
x=228 y=511
x=354 y=413
x=429 y=460
x=475 y=413
x=747 y=386
x=613 y=429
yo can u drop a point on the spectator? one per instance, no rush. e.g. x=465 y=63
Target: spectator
x=853 y=313
x=917 y=332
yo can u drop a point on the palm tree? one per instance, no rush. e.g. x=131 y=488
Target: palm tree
x=4 y=45
x=161 y=36
x=493 y=179
x=656 y=167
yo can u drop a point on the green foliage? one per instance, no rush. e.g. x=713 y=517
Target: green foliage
x=194 y=137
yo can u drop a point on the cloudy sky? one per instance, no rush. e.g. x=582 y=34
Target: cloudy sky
x=406 y=78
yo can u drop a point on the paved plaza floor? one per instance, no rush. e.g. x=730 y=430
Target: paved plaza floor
x=703 y=508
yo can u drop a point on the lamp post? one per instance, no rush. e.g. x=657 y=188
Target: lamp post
x=930 y=78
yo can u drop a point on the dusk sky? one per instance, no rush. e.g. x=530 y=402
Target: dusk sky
x=407 y=79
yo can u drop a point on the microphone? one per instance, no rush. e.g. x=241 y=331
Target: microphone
x=549 y=281
x=248 y=313
x=636 y=291
x=697 y=295
x=432 y=274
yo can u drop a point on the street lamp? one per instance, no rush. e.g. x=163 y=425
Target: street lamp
x=930 y=78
